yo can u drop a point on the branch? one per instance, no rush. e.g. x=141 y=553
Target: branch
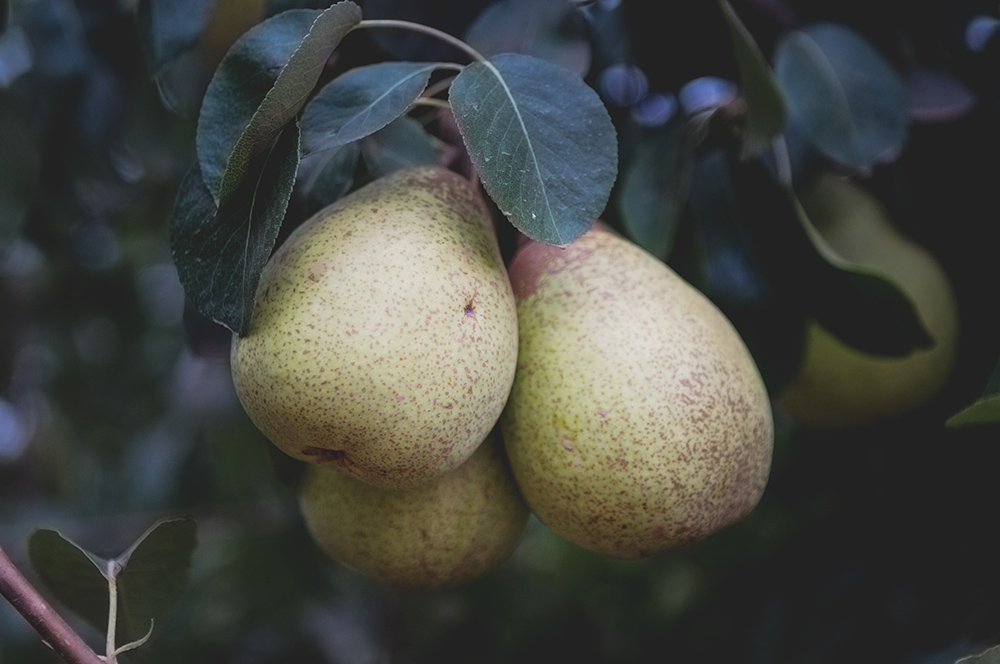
x=56 y=633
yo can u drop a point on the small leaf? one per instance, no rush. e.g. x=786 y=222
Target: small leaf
x=72 y=575
x=542 y=142
x=848 y=98
x=219 y=253
x=362 y=101
x=765 y=105
x=985 y=409
x=403 y=144
x=548 y=29
x=654 y=188
x=154 y=573
x=260 y=85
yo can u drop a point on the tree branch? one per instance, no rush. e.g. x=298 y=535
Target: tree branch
x=54 y=630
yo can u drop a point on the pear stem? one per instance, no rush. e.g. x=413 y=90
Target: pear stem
x=427 y=30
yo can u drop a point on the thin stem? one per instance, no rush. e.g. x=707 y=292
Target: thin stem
x=427 y=30
x=110 y=656
x=432 y=101
x=53 y=629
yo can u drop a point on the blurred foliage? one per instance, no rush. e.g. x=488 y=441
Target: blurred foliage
x=116 y=405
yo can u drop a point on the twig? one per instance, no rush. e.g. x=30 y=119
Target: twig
x=54 y=630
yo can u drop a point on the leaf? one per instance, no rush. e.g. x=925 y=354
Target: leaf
x=548 y=29
x=153 y=574
x=542 y=142
x=985 y=409
x=362 y=101
x=327 y=176
x=168 y=28
x=72 y=575
x=988 y=656
x=848 y=98
x=859 y=307
x=219 y=253
x=765 y=105
x=260 y=85
x=403 y=144
x=654 y=189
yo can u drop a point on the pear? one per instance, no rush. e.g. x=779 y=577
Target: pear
x=638 y=420
x=450 y=530
x=383 y=338
x=840 y=386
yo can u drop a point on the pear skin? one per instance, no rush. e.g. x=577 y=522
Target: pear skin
x=384 y=335
x=638 y=421
x=447 y=531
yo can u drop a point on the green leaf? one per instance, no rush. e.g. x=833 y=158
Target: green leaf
x=765 y=105
x=72 y=575
x=859 y=307
x=985 y=409
x=168 y=28
x=403 y=144
x=219 y=253
x=988 y=656
x=154 y=573
x=654 y=188
x=846 y=96
x=552 y=30
x=542 y=142
x=260 y=85
x=327 y=176
x=362 y=101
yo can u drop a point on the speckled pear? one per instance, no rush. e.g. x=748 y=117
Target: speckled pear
x=450 y=530
x=638 y=420
x=384 y=335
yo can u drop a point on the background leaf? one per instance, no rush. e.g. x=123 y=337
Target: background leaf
x=72 y=575
x=654 y=188
x=326 y=176
x=219 y=253
x=260 y=85
x=988 y=656
x=19 y=170
x=403 y=143
x=552 y=30
x=765 y=105
x=167 y=28
x=542 y=142
x=154 y=574
x=847 y=97
x=362 y=101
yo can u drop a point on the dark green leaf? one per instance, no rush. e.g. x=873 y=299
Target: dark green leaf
x=859 y=307
x=985 y=410
x=402 y=144
x=362 y=101
x=326 y=176
x=847 y=97
x=988 y=656
x=542 y=142
x=167 y=28
x=654 y=188
x=548 y=29
x=75 y=577
x=154 y=573
x=261 y=84
x=765 y=105
x=220 y=253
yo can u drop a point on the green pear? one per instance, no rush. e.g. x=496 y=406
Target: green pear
x=444 y=532
x=838 y=385
x=384 y=334
x=638 y=420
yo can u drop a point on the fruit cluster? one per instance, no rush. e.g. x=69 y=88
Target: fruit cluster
x=441 y=397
